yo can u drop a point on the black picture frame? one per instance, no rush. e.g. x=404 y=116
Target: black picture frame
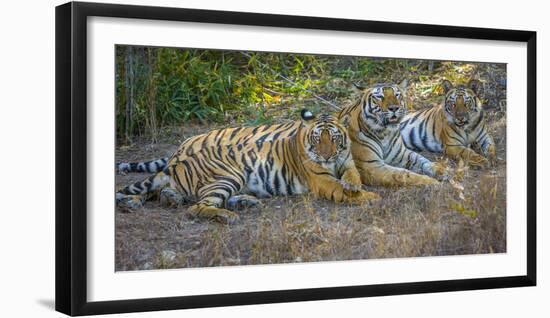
x=71 y=157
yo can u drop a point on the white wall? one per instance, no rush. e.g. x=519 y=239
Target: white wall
x=27 y=140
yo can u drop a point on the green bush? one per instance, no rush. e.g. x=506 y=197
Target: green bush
x=162 y=87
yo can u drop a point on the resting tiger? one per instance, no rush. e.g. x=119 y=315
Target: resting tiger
x=453 y=127
x=377 y=147
x=220 y=169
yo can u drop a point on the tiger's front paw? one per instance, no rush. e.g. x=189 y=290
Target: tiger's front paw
x=170 y=198
x=362 y=196
x=440 y=171
x=478 y=162
x=412 y=179
x=350 y=187
x=225 y=217
x=351 y=180
x=243 y=201
x=424 y=180
x=129 y=203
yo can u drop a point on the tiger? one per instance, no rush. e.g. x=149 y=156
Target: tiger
x=376 y=145
x=227 y=169
x=454 y=126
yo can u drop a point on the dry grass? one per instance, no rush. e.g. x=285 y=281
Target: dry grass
x=407 y=222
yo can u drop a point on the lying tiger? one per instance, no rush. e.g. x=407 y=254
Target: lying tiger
x=453 y=127
x=377 y=147
x=230 y=168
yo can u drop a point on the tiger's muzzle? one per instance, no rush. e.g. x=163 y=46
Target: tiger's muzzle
x=461 y=121
x=393 y=116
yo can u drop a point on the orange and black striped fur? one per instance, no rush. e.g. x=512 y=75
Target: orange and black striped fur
x=229 y=168
x=377 y=147
x=453 y=127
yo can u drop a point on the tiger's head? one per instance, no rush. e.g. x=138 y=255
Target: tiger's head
x=325 y=139
x=384 y=105
x=462 y=105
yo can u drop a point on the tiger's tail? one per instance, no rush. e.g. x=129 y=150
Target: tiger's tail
x=133 y=195
x=152 y=166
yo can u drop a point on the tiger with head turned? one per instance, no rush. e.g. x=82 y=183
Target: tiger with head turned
x=452 y=127
x=377 y=147
x=229 y=168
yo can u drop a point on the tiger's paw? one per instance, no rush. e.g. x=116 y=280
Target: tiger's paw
x=226 y=217
x=242 y=201
x=413 y=179
x=441 y=171
x=425 y=180
x=350 y=187
x=478 y=162
x=421 y=180
x=362 y=196
x=129 y=203
x=351 y=180
x=170 y=197
x=204 y=210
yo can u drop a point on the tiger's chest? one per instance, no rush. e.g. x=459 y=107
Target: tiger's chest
x=471 y=134
x=385 y=141
x=465 y=135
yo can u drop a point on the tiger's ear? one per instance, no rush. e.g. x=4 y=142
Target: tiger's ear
x=345 y=121
x=404 y=84
x=447 y=86
x=307 y=115
x=357 y=88
x=475 y=86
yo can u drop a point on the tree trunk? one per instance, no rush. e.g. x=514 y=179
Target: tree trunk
x=151 y=93
x=129 y=89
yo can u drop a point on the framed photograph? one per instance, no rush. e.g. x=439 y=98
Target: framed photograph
x=208 y=158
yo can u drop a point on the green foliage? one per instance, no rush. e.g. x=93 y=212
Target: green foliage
x=163 y=87
x=171 y=86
